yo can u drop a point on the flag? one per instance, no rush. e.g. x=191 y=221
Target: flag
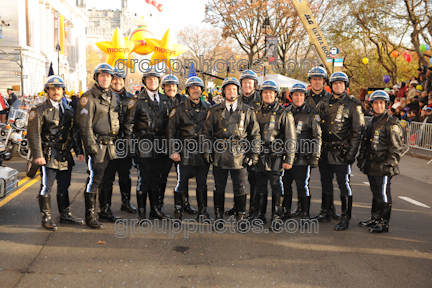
x=51 y=70
x=192 y=71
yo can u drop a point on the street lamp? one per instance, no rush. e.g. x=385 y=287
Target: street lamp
x=58 y=49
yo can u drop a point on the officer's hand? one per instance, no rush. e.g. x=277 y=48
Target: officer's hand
x=314 y=163
x=255 y=159
x=349 y=159
x=387 y=170
x=80 y=157
x=286 y=166
x=208 y=158
x=176 y=157
x=40 y=161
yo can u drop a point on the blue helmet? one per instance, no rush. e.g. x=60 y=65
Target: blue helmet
x=298 y=87
x=194 y=81
x=249 y=74
x=228 y=81
x=103 y=68
x=379 y=95
x=171 y=79
x=270 y=85
x=119 y=73
x=317 y=71
x=54 y=81
x=150 y=72
x=339 y=76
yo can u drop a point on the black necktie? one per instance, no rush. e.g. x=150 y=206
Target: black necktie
x=231 y=109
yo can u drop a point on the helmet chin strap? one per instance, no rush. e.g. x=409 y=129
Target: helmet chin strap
x=249 y=94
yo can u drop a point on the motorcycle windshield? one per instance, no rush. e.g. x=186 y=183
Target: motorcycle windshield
x=15 y=106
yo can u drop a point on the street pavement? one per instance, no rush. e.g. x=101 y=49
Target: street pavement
x=130 y=256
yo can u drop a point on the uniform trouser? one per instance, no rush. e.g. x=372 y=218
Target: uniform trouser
x=342 y=172
x=48 y=175
x=252 y=178
x=238 y=177
x=185 y=171
x=275 y=178
x=380 y=186
x=122 y=167
x=149 y=173
x=301 y=175
x=96 y=172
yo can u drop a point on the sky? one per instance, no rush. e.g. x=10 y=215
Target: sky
x=176 y=14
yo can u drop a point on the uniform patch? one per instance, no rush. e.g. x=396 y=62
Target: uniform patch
x=290 y=117
x=84 y=101
x=317 y=118
x=131 y=103
x=32 y=115
x=172 y=113
x=396 y=128
x=359 y=109
x=84 y=111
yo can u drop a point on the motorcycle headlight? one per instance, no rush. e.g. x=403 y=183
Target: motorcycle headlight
x=20 y=123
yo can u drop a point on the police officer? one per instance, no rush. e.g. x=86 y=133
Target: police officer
x=169 y=85
x=98 y=119
x=122 y=165
x=342 y=125
x=185 y=126
x=276 y=126
x=308 y=130
x=146 y=121
x=251 y=97
x=317 y=77
x=227 y=124
x=380 y=152
x=52 y=134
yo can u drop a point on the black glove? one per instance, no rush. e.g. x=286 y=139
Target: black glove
x=208 y=158
x=387 y=170
x=314 y=162
x=247 y=161
x=255 y=159
x=360 y=159
x=349 y=159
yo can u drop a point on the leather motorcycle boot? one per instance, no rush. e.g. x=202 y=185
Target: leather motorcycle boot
x=324 y=215
x=219 y=205
x=187 y=207
x=90 y=214
x=297 y=211
x=231 y=211
x=305 y=207
x=178 y=205
x=202 y=205
x=375 y=213
x=346 y=213
x=261 y=208
x=154 y=206
x=142 y=202
x=240 y=204
x=105 y=207
x=45 y=209
x=252 y=201
x=286 y=207
x=275 y=224
x=333 y=212
x=383 y=225
x=65 y=210
x=125 y=191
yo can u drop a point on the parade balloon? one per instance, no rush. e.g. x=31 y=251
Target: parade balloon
x=427 y=46
x=422 y=47
x=159 y=7
x=408 y=58
x=395 y=53
x=386 y=79
x=419 y=88
x=139 y=35
x=118 y=48
x=365 y=60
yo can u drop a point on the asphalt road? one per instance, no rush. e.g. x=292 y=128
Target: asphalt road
x=127 y=256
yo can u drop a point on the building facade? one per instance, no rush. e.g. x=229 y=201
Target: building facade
x=39 y=26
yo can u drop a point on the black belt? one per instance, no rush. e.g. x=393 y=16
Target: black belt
x=335 y=144
x=58 y=146
x=105 y=140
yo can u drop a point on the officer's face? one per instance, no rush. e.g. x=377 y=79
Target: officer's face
x=152 y=82
x=231 y=93
x=317 y=83
x=268 y=96
x=104 y=80
x=338 y=87
x=195 y=92
x=378 y=106
x=55 y=93
x=298 y=98
x=170 y=90
x=248 y=86
x=117 y=83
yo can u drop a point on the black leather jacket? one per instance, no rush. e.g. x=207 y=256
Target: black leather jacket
x=313 y=99
x=145 y=121
x=123 y=98
x=185 y=124
x=177 y=99
x=98 y=115
x=53 y=136
x=381 y=146
x=342 y=124
x=276 y=126
x=308 y=129
x=222 y=126
x=254 y=100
